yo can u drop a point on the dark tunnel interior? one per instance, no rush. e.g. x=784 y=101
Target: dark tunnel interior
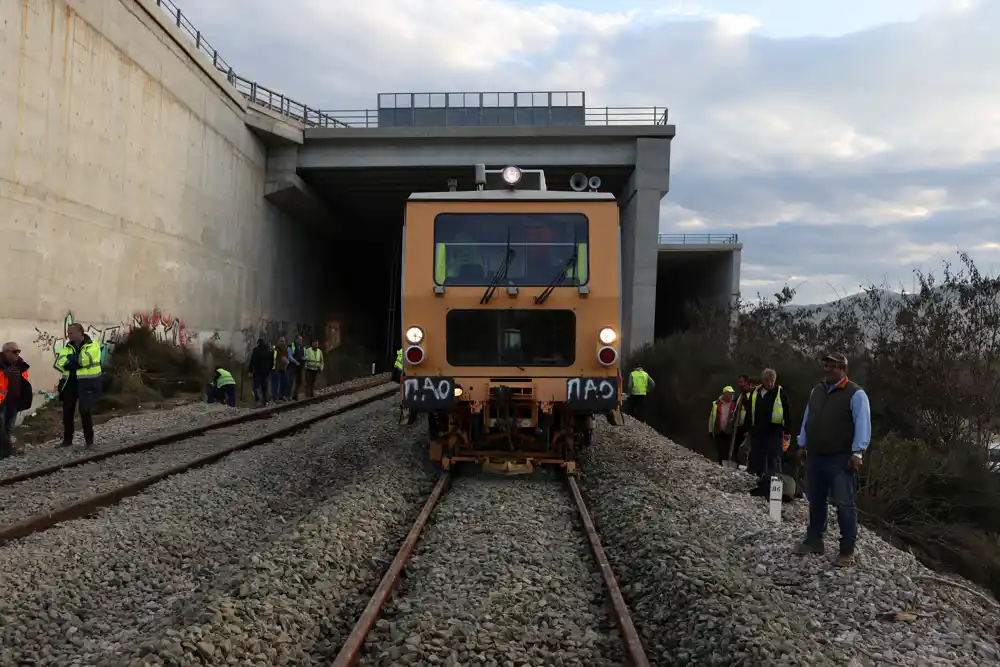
x=688 y=278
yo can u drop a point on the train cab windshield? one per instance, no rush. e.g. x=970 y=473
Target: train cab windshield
x=471 y=248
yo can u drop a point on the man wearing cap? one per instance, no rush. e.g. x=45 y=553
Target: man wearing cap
x=836 y=428
x=722 y=421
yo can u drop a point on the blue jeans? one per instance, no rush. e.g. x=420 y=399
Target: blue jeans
x=279 y=385
x=228 y=393
x=827 y=476
x=260 y=383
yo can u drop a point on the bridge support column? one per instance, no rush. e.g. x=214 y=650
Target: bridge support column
x=640 y=205
x=288 y=192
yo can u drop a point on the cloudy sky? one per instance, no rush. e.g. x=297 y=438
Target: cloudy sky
x=846 y=141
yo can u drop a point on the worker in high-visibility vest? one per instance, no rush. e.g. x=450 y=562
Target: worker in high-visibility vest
x=639 y=385
x=15 y=394
x=397 y=368
x=459 y=262
x=222 y=388
x=723 y=421
x=314 y=365
x=767 y=420
x=79 y=361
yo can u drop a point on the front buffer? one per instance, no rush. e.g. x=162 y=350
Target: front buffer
x=512 y=425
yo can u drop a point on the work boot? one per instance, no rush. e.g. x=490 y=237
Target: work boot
x=846 y=559
x=65 y=443
x=805 y=548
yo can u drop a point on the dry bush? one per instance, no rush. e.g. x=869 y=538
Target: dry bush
x=930 y=363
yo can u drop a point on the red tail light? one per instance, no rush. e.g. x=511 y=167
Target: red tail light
x=414 y=355
x=607 y=355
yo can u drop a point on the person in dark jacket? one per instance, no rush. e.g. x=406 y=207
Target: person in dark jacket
x=261 y=362
x=16 y=394
x=836 y=428
x=767 y=418
x=296 y=355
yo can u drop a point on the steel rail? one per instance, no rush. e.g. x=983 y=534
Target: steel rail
x=185 y=434
x=633 y=645
x=82 y=508
x=350 y=652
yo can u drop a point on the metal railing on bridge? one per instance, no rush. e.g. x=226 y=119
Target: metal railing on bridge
x=493 y=109
x=251 y=90
x=593 y=116
x=698 y=239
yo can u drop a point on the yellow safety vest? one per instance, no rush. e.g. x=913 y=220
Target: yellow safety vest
x=225 y=378
x=443 y=269
x=581 y=264
x=737 y=418
x=89 y=361
x=399 y=359
x=777 y=413
x=314 y=359
x=640 y=382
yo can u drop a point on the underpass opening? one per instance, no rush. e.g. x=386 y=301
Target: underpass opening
x=364 y=261
x=692 y=277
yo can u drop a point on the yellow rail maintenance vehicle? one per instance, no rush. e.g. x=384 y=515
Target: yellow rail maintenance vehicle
x=511 y=319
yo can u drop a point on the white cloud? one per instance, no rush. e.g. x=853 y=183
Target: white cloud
x=839 y=160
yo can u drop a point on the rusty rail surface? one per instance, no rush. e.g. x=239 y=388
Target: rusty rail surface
x=350 y=652
x=633 y=645
x=82 y=508
x=185 y=434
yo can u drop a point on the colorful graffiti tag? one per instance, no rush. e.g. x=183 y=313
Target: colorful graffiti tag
x=165 y=328
x=270 y=330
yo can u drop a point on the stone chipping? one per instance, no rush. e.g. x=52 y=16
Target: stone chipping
x=44 y=494
x=502 y=576
x=245 y=562
x=711 y=580
x=133 y=428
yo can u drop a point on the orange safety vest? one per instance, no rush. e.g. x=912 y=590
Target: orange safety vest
x=5 y=383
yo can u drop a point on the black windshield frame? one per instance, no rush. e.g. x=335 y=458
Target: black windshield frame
x=534 y=263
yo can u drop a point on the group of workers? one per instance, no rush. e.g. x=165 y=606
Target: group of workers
x=836 y=426
x=79 y=365
x=287 y=368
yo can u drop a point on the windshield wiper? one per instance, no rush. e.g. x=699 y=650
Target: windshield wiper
x=500 y=275
x=557 y=281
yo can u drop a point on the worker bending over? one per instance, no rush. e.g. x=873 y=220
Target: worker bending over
x=639 y=384
x=222 y=389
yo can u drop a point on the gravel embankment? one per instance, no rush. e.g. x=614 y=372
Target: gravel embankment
x=44 y=494
x=712 y=581
x=502 y=576
x=130 y=429
x=242 y=562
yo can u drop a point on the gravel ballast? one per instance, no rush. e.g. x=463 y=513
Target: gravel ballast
x=44 y=494
x=502 y=576
x=281 y=530
x=711 y=580
x=130 y=429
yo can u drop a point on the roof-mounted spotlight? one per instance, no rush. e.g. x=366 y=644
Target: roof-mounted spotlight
x=511 y=176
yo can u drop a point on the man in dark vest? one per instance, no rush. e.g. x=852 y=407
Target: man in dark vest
x=836 y=427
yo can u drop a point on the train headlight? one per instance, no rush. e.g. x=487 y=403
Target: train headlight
x=414 y=335
x=511 y=175
x=458 y=391
x=608 y=336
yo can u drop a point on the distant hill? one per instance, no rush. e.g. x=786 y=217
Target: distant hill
x=854 y=301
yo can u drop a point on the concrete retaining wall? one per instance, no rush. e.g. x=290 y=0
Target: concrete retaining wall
x=130 y=188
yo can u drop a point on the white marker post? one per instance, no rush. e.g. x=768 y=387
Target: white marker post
x=774 y=498
x=373 y=368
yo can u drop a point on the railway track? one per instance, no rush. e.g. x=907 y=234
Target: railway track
x=501 y=576
x=40 y=498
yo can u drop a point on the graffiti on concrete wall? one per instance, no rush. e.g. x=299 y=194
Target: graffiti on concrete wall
x=271 y=330
x=166 y=329
x=332 y=335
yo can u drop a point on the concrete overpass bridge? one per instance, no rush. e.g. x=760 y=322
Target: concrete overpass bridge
x=201 y=193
